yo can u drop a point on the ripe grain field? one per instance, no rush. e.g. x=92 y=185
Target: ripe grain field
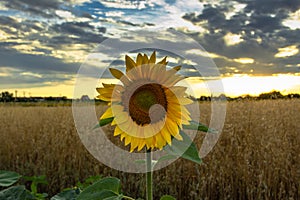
x=256 y=157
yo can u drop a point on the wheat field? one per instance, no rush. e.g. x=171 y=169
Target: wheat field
x=256 y=157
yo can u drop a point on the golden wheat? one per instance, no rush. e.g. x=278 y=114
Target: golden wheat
x=256 y=157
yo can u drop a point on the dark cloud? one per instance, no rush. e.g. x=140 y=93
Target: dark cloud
x=127 y=23
x=266 y=23
x=17 y=78
x=83 y=30
x=86 y=15
x=17 y=29
x=270 y=6
x=75 y=28
x=292 y=36
x=45 y=8
x=260 y=28
x=35 y=63
x=40 y=7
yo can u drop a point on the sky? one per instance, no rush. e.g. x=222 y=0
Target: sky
x=254 y=44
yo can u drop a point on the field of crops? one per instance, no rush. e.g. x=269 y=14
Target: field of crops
x=256 y=157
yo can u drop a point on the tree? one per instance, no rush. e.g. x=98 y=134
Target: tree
x=6 y=96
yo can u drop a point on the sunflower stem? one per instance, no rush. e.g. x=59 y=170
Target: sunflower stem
x=149 y=175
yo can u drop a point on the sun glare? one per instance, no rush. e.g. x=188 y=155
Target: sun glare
x=244 y=60
x=239 y=85
x=232 y=39
x=287 y=51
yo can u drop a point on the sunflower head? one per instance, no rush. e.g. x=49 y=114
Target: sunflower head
x=147 y=107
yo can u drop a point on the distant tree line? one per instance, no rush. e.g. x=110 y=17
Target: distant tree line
x=6 y=97
x=268 y=95
x=9 y=97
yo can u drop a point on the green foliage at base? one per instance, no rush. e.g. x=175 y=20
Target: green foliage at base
x=93 y=188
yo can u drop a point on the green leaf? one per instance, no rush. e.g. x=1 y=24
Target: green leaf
x=167 y=197
x=104 y=122
x=87 y=182
x=8 y=178
x=103 y=189
x=67 y=195
x=14 y=193
x=37 y=179
x=99 y=195
x=119 y=197
x=198 y=126
x=185 y=149
x=166 y=157
x=141 y=162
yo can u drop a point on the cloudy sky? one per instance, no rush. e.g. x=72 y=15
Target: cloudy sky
x=255 y=44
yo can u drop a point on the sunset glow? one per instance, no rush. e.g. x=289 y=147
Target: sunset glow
x=234 y=86
x=254 y=47
x=240 y=85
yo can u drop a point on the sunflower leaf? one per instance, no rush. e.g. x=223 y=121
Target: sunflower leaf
x=184 y=148
x=166 y=157
x=106 y=188
x=198 y=126
x=8 y=178
x=167 y=197
x=103 y=122
x=15 y=192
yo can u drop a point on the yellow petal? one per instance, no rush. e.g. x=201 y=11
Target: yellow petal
x=172 y=82
x=148 y=130
x=185 y=113
x=163 y=61
x=117 y=131
x=176 y=117
x=113 y=122
x=166 y=135
x=103 y=90
x=118 y=88
x=140 y=131
x=134 y=129
x=154 y=72
x=161 y=73
x=185 y=122
x=141 y=144
x=130 y=64
x=178 y=137
x=178 y=90
x=107 y=114
x=123 y=135
x=172 y=127
x=133 y=74
x=108 y=85
x=149 y=142
x=126 y=126
x=173 y=112
x=133 y=144
x=160 y=141
x=145 y=59
x=144 y=70
x=177 y=68
x=103 y=98
x=185 y=101
x=121 y=117
x=127 y=140
x=116 y=73
x=139 y=60
x=168 y=75
x=153 y=57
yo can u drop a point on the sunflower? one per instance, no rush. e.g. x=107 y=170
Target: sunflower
x=147 y=108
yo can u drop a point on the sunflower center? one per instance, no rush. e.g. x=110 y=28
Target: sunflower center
x=144 y=99
x=147 y=104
